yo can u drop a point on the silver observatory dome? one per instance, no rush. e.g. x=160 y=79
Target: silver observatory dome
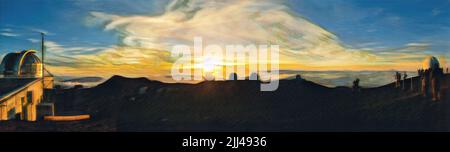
x=21 y=64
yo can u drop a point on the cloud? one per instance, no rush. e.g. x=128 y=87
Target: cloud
x=34 y=40
x=59 y=55
x=436 y=12
x=6 y=30
x=127 y=61
x=104 y=61
x=418 y=44
x=41 y=31
x=407 y=49
x=233 y=22
x=8 y=34
x=56 y=48
x=145 y=41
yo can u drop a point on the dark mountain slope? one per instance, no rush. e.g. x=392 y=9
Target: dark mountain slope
x=298 y=105
x=139 y=104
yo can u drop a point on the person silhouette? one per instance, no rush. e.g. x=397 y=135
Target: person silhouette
x=426 y=78
x=356 y=85
x=395 y=77
x=404 y=79
x=398 y=78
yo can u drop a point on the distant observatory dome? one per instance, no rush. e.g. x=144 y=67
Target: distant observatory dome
x=430 y=62
x=21 y=64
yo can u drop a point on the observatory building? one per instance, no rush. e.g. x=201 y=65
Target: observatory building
x=22 y=87
x=431 y=78
x=430 y=62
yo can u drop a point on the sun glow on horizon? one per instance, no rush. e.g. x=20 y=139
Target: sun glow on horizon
x=209 y=65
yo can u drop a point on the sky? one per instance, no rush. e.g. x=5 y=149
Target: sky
x=135 y=37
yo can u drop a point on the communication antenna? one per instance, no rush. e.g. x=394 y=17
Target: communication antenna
x=42 y=60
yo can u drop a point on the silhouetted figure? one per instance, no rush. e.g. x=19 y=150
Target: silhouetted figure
x=404 y=80
x=411 y=84
x=425 y=81
x=447 y=70
x=419 y=80
x=398 y=78
x=356 y=87
x=395 y=77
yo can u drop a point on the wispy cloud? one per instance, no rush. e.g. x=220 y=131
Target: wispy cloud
x=407 y=48
x=37 y=30
x=8 y=34
x=145 y=41
x=6 y=30
x=25 y=31
x=59 y=55
x=436 y=12
x=54 y=47
x=234 y=22
x=33 y=40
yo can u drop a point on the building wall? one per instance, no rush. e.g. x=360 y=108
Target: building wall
x=48 y=82
x=21 y=104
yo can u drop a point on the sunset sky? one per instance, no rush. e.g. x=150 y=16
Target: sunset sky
x=135 y=37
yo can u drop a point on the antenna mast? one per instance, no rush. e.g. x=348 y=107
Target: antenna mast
x=43 y=69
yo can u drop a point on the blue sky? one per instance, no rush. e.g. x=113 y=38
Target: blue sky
x=63 y=20
x=373 y=26
x=383 y=23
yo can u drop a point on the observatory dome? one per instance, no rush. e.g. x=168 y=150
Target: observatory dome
x=430 y=62
x=21 y=64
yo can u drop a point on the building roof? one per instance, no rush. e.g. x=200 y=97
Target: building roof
x=9 y=86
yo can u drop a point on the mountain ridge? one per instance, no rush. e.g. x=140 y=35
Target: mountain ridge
x=140 y=104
